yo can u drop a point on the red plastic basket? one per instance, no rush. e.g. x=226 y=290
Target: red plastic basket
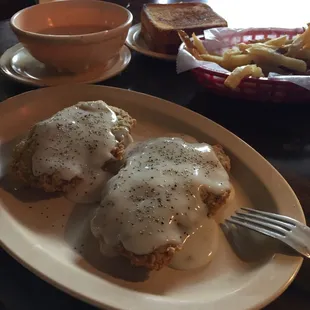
x=256 y=89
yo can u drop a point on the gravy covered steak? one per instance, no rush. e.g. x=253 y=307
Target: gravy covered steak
x=166 y=189
x=70 y=151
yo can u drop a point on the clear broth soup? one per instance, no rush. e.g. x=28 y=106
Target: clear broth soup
x=74 y=30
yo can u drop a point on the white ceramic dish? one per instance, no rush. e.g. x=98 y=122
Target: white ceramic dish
x=136 y=42
x=51 y=236
x=19 y=65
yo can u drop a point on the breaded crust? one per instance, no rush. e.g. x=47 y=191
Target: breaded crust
x=154 y=261
x=215 y=202
x=162 y=256
x=222 y=156
x=124 y=119
x=22 y=168
x=21 y=165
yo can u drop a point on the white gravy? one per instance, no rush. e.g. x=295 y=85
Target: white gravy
x=199 y=248
x=77 y=142
x=155 y=199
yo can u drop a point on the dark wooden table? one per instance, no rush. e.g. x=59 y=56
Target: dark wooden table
x=281 y=133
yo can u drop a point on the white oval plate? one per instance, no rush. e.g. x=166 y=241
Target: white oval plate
x=19 y=65
x=136 y=42
x=51 y=236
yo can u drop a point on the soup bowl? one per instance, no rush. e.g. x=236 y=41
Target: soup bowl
x=74 y=35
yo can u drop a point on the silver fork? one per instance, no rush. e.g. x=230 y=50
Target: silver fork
x=283 y=228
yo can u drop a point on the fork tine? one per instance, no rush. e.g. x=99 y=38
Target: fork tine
x=263 y=224
x=266 y=219
x=255 y=228
x=272 y=215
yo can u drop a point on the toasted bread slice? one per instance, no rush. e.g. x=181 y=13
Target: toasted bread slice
x=160 y=22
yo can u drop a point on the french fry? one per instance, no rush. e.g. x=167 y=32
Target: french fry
x=267 y=67
x=289 y=41
x=299 y=42
x=196 y=54
x=306 y=46
x=234 y=79
x=277 y=42
x=277 y=59
x=187 y=41
x=236 y=61
x=283 y=49
x=231 y=52
x=304 y=55
x=198 y=45
x=212 y=58
x=244 y=46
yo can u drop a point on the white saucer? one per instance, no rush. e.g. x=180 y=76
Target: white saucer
x=19 y=65
x=135 y=41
